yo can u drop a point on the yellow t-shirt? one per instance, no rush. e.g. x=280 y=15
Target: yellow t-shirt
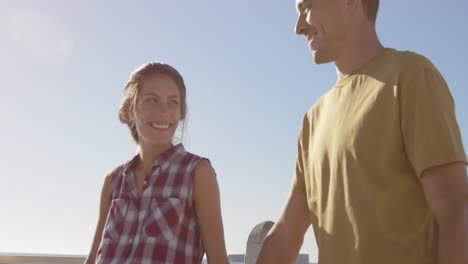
x=362 y=149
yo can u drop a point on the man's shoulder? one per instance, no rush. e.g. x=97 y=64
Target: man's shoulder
x=314 y=111
x=409 y=59
x=402 y=65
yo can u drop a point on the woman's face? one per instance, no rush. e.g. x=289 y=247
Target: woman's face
x=157 y=111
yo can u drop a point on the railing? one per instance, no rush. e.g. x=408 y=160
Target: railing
x=254 y=243
x=40 y=259
x=66 y=259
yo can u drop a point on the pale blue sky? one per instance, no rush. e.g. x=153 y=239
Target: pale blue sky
x=249 y=80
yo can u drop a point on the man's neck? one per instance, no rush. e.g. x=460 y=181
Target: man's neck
x=358 y=52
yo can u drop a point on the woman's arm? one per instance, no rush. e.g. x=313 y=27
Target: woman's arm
x=103 y=210
x=208 y=210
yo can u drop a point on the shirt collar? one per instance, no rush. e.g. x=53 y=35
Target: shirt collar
x=167 y=156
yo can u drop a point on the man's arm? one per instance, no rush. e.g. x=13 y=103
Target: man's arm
x=446 y=189
x=283 y=242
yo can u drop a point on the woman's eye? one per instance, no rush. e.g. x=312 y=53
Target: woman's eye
x=152 y=100
x=174 y=102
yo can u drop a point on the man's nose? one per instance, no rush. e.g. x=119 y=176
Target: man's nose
x=300 y=23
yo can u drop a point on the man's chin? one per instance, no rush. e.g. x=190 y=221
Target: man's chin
x=320 y=59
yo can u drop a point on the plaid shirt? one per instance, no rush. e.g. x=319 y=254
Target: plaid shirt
x=159 y=224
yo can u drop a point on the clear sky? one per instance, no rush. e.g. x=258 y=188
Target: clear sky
x=63 y=65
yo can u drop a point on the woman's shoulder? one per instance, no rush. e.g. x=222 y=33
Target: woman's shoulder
x=196 y=158
x=200 y=163
x=117 y=172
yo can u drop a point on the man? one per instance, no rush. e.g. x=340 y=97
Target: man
x=381 y=168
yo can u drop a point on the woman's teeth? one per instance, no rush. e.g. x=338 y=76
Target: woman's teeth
x=159 y=126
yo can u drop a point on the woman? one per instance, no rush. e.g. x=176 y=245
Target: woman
x=163 y=205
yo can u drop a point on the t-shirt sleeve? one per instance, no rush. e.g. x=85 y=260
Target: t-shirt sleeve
x=298 y=182
x=429 y=126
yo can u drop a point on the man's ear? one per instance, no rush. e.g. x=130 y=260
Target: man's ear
x=353 y=6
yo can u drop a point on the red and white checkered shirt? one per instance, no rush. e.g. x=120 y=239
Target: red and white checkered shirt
x=159 y=224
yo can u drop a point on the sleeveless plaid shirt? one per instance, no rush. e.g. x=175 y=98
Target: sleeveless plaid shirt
x=157 y=225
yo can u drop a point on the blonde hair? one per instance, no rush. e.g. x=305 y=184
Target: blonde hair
x=135 y=84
